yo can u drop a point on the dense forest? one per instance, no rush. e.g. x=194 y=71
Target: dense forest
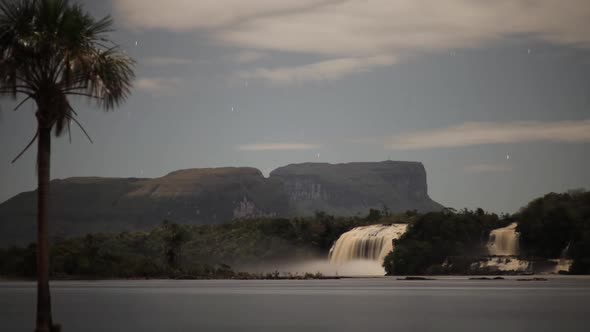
x=558 y=225
x=446 y=242
x=173 y=250
x=436 y=237
x=553 y=226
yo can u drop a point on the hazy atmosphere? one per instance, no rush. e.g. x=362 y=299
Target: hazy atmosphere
x=294 y=165
x=493 y=97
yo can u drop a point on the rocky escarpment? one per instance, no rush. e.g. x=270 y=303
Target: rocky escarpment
x=354 y=188
x=215 y=195
x=198 y=196
x=210 y=195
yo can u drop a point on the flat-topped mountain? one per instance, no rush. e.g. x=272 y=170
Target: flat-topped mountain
x=353 y=188
x=214 y=195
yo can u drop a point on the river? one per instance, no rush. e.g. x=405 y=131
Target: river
x=360 y=304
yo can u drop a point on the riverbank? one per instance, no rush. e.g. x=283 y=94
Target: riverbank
x=316 y=276
x=233 y=276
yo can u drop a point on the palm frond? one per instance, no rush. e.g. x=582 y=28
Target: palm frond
x=51 y=50
x=26 y=148
x=112 y=79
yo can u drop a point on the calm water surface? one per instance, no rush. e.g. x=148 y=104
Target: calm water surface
x=380 y=304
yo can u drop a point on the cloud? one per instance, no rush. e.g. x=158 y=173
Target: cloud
x=277 y=147
x=480 y=133
x=350 y=28
x=354 y=29
x=249 y=56
x=159 y=86
x=165 y=61
x=487 y=168
x=320 y=71
x=186 y=15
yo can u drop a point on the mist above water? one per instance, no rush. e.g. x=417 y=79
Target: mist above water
x=358 y=252
x=356 y=268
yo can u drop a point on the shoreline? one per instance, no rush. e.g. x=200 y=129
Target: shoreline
x=534 y=277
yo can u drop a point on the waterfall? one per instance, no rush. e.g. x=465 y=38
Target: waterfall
x=504 y=241
x=563 y=263
x=565 y=251
x=371 y=243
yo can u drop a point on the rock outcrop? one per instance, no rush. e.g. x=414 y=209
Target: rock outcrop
x=354 y=188
x=215 y=195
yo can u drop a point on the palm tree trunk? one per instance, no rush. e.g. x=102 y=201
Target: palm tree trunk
x=44 y=322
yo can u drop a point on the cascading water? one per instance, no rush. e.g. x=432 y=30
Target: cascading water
x=563 y=263
x=504 y=241
x=359 y=252
x=370 y=243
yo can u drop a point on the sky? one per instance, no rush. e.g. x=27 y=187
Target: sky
x=492 y=96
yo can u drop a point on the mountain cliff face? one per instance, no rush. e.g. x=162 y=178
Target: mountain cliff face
x=208 y=196
x=354 y=188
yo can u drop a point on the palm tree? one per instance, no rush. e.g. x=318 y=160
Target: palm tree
x=50 y=52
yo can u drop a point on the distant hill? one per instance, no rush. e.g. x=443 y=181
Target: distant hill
x=215 y=195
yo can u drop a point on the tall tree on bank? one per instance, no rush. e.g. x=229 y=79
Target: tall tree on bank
x=51 y=51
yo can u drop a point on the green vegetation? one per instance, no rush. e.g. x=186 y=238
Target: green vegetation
x=185 y=251
x=434 y=237
x=447 y=242
x=556 y=225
